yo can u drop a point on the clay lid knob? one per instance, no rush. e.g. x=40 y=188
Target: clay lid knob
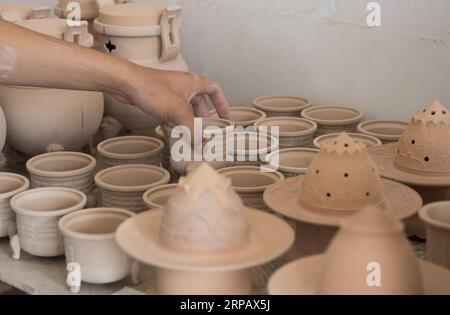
x=204 y=214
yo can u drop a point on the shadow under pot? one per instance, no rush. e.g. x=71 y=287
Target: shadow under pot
x=292 y=131
x=249 y=182
x=361 y=139
x=123 y=186
x=333 y=119
x=130 y=150
x=10 y=185
x=251 y=148
x=291 y=162
x=157 y=197
x=386 y=130
x=64 y=169
x=37 y=213
x=92 y=254
x=286 y=106
x=242 y=116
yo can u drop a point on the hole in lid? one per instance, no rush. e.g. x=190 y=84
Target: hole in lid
x=317 y=171
x=413 y=141
x=433 y=112
x=328 y=195
x=426 y=159
x=346 y=175
x=346 y=145
x=367 y=194
x=335 y=142
x=444 y=112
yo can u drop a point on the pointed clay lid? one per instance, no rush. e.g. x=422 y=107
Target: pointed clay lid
x=341 y=177
x=424 y=147
x=370 y=247
x=205 y=214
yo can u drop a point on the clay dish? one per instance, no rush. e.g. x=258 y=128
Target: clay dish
x=287 y=106
x=291 y=162
x=293 y=131
x=362 y=139
x=332 y=119
x=242 y=116
x=123 y=186
x=385 y=130
x=157 y=197
x=251 y=148
x=130 y=150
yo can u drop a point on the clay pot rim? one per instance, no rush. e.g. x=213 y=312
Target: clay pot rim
x=165 y=177
x=256 y=103
x=290 y=169
x=31 y=167
x=66 y=231
x=424 y=215
x=363 y=125
x=376 y=141
x=8 y=194
x=251 y=170
x=294 y=120
x=274 y=143
x=228 y=125
x=102 y=147
x=45 y=213
x=333 y=122
x=260 y=114
x=147 y=195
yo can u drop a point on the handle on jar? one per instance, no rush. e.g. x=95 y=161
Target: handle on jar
x=170 y=33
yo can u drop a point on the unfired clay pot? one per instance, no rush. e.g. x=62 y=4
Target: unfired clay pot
x=14 y=12
x=293 y=132
x=251 y=148
x=242 y=116
x=157 y=197
x=123 y=186
x=362 y=139
x=165 y=153
x=146 y=34
x=340 y=181
x=369 y=255
x=285 y=106
x=291 y=162
x=250 y=183
x=10 y=185
x=332 y=119
x=386 y=130
x=436 y=217
x=130 y=150
x=205 y=241
x=37 y=212
x=89 y=241
x=43 y=120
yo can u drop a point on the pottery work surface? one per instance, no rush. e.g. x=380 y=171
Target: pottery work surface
x=362 y=139
x=385 y=130
x=333 y=119
x=275 y=106
x=242 y=116
x=291 y=162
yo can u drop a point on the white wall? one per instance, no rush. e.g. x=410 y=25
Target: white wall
x=322 y=49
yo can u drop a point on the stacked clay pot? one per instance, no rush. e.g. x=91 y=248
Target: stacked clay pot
x=386 y=130
x=284 y=106
x=251 y=148
x=242 y=116
x=365 y=140
x=291 y=162
x=333 y=119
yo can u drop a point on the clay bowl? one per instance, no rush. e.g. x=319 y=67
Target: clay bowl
x=291 y=162
x=10 y=185
x=89 y=240
x=157 y=197
x=251 y=148
x=130 y=150
x=436 y=217
x=286 y=106
x=123 y=186
x=63 y=169
x=250 y=182
x=363 y=139
x=293 y=132
x=333 y=119
x=385 y=130
x=38 y=211
x=242 y=116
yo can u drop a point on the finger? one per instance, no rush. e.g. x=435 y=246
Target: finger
x=181 y=115
x=217 y=97
x=200 y=106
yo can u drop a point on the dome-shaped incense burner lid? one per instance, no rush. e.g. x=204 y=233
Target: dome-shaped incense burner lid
x=370 y=255
x=204 y=214
x=341 y=177
x=424 y=146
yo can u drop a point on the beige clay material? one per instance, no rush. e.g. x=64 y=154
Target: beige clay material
x=251 y=148
x=285 y=106
x=242 y=116
x=366 y=140
x=14 y=12
x=386 y=130
x=2 y=129
x=291 y=162
x=157 y=197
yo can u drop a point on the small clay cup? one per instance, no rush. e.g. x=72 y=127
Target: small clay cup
x=286 y=106
x=38 y=211
x=249 y=182
x=242 y=116
x=291 y=162
x=89 y=240
x=123 y=186
x=293 y=132
x=333 y=119
x=251 y=148
x=386 y=130
x=363 y=139
x=436 y=217
x=130 y=150
x=157 y=197
x=10 y=185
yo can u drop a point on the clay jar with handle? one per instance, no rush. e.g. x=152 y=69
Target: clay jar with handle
x=386 y=130
x=291 y=162
x=91 y=248
x=123 y=186
x=130 y=150
x=64 y=169
x=285 y=106
x=242 y=116
x=333 y=119
x=10 y=185
x=146 y=34
x=38 y=211
x=41 y=119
